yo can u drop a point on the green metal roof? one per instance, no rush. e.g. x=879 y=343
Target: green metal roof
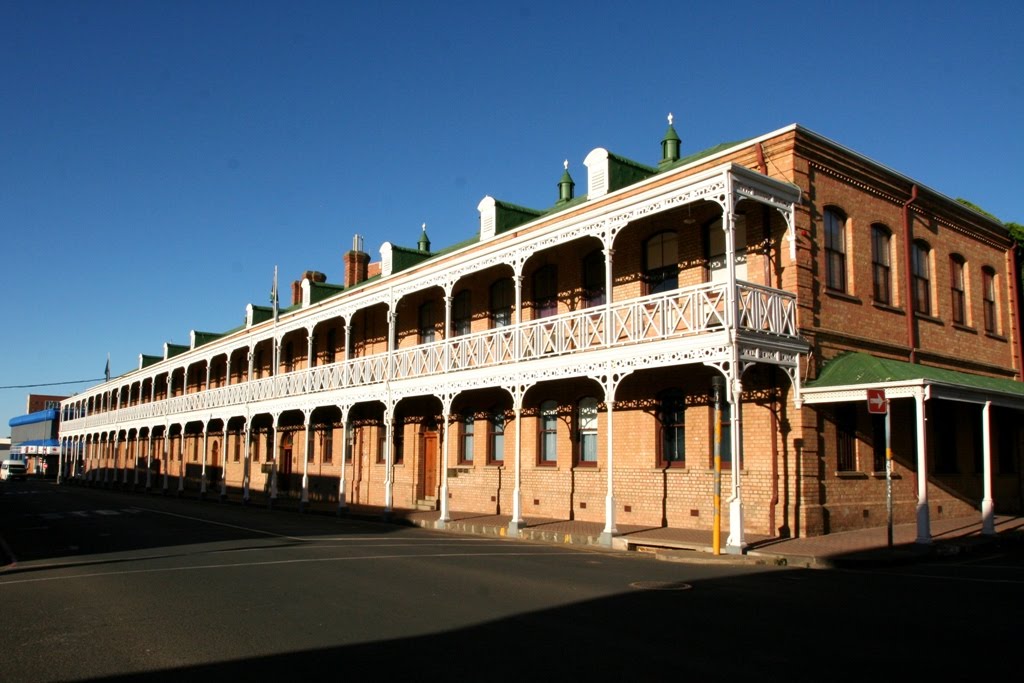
x=318 y=291
x=206 y=337
x=861 y=368
x=176 y=349
x=697 y=156
x=261 y=314
x=404 y=257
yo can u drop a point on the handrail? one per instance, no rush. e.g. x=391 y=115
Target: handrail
x=680 y=313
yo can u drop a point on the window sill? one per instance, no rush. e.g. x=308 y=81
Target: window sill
x=887 y=307
x=881 y=475
x=996 y=337
x=851 y=475
x=496 y=465
x=928 y=318
x=964 y=328
x=843 y=296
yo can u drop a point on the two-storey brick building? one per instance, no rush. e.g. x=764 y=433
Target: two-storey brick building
x=565 y=362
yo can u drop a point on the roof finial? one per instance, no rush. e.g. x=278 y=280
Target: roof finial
x=424 y=243
x=669 y=144
x=565 y=185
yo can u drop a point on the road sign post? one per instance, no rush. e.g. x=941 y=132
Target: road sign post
x=879 y=405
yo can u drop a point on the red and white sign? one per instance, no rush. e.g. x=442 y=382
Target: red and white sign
x=877 y=405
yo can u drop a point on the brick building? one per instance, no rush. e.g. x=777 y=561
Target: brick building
x=566 y=362
x=34 y=434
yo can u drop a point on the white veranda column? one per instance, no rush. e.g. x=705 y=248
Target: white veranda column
x=181 y=461
x=517 y=522
x=345 y=427
x=246 y=458
x=389 y=461
x=304 y=500
x=202 y=471
x=609 y=501
x=446 y=409
x=273 y=461
x=924 y=533
x=149 y=460
x=988 y=525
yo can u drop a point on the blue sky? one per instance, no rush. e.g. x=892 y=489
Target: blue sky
x=158 y=159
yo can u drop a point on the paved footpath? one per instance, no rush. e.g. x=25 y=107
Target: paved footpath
x=862 y=547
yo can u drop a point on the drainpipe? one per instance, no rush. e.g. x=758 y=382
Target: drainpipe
x=1011 y=254
x=907 y=278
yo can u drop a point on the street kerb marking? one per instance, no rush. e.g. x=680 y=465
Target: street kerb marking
x=269 y=563
x=224 y=524
x=303 y=539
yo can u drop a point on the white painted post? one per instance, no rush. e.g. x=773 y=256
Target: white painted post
x=988 y=526
x=924 y=534
x=517 y=521
x=610 y=530
x=202 y=470
x=304 y=500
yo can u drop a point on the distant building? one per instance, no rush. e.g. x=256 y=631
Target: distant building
x=34 y=436
x=5 y=447
x=566 y=362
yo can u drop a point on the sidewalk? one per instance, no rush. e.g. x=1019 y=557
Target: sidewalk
x=862 y=547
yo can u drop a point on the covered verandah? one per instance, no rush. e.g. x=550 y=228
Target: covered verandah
x=851 y=376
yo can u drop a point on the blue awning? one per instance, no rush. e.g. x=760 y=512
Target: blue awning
x=50 y=414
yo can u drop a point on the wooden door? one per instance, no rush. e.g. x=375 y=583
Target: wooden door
x=430 y=464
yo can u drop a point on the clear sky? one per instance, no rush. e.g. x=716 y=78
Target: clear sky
x=158 y=159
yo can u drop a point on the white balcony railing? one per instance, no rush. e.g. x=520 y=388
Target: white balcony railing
x=680 y=313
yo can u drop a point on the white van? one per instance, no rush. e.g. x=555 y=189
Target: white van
x=12 y=469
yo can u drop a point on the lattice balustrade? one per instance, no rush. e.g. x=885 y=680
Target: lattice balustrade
x=683 y=313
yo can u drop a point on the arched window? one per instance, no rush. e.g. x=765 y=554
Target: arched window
x=718 y=265
x=289 y=357
x=586 y=424
x=502 y=299
x=467 y=427
x=547 y=453
x=425 y=321
x=461 y=313
x=672 y=418
x=496 y=438
x=330 y=353
x=661 y=263
x=881 y=269
x=545 y=291
x=593 y=279
x=988 y=299
x=835 y=249
x=920 y=270
x=958 y=296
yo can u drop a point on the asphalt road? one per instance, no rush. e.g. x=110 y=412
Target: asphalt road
x=114 y=586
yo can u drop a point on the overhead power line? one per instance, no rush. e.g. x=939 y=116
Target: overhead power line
x=50 y=384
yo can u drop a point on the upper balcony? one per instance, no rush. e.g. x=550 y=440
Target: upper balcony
x=698 y=315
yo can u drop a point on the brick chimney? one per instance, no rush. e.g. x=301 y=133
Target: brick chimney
x=312 y=276
x=357 y=263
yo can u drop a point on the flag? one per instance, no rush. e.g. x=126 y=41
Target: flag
x=273 y=294
x=106 y=370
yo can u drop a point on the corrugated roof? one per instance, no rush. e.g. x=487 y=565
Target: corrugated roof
x=862 y=368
